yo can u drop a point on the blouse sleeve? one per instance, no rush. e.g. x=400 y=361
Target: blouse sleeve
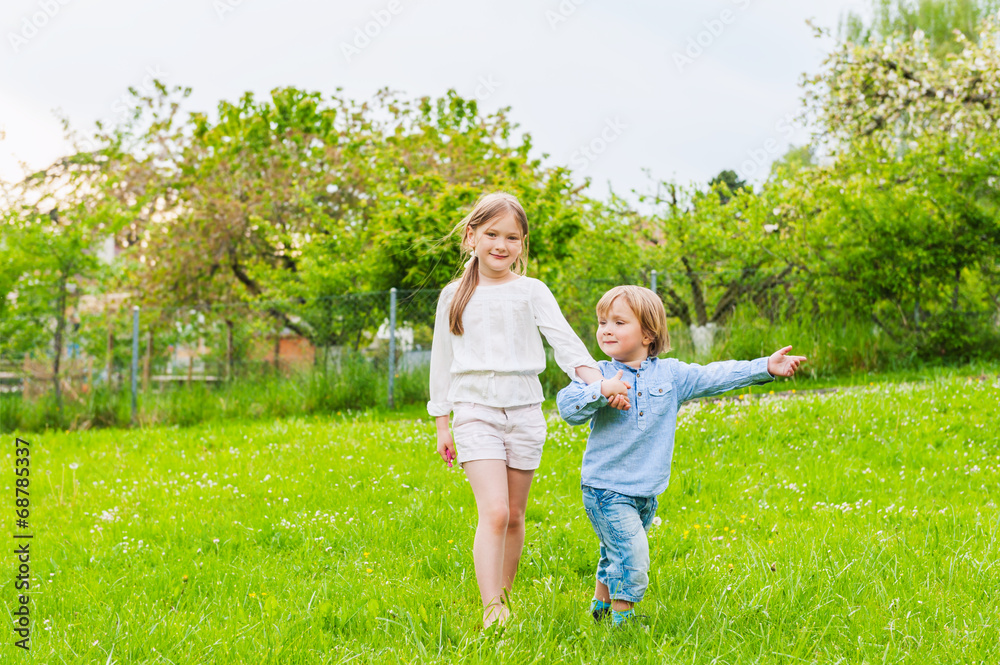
x=569 y=350
x=441 y=358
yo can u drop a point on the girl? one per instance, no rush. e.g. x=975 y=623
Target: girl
x=485 y=361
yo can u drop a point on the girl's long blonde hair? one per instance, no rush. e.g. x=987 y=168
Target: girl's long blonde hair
x=488 y=209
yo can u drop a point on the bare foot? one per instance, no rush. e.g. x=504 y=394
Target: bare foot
x=495 y=613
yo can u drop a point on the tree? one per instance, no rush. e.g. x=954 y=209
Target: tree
x=903 y=223
x=295 y=204
x=731 y=182
x=932 y=20
x=53 y=222
x=714 y=254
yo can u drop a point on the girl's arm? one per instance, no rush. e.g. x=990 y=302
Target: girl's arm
x=445 y=444
x=588 y=374
x=441 y=358
x=571 y=355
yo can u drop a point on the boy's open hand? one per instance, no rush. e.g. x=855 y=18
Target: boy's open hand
x=616 y=391
x=782 y=364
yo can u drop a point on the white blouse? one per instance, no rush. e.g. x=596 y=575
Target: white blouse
x=497 y=360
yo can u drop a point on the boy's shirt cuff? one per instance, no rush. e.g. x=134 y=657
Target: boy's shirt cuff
x=758 y=371
x=588 y=397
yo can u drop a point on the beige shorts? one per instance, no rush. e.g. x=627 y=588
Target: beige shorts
x=515 y=434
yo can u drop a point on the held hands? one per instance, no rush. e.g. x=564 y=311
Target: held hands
x=782 y=364
x=616 y=391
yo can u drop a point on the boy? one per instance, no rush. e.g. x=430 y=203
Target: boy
x=627 y=460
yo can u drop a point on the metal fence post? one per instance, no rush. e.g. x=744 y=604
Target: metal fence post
x=392 y=346
x=135 y=360
x=653 y=282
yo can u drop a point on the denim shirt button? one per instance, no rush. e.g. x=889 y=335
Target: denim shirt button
x=640 y=393
x=640 y=413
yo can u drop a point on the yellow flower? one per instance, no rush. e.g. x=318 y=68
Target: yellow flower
x=770 y=542
x=450 y=542
x=368 y=570
x=726 y=529
x=697 y=526
x=253 y=595
x=366 y=555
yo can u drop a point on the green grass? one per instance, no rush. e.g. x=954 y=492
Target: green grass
x=854 y=527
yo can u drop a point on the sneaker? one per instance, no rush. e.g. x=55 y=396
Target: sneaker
x=599 y=609
x=629 y=619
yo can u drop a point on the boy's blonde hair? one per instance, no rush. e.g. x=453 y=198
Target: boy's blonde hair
x=648 y=308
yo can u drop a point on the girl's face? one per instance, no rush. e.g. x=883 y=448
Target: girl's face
x=497 y=244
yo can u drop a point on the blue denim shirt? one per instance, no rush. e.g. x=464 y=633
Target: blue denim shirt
x=629 y=452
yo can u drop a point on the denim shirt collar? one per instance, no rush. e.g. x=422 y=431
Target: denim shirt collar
x=646 y=364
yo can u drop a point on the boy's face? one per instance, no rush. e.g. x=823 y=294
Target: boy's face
x=620 y=335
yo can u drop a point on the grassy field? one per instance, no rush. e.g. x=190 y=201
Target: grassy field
x=856 y=527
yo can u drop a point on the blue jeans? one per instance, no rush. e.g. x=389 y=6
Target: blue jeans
x=621 y=522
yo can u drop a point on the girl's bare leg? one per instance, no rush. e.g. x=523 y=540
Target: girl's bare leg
x=489 y=485
x=518 y=485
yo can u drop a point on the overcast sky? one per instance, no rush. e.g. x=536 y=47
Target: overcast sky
x=683 y=89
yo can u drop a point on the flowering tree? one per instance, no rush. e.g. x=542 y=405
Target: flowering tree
x=903 y=223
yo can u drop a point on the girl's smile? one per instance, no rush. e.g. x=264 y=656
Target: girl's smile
x=497 y=246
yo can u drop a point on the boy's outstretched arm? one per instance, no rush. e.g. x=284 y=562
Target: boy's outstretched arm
x=782 y=364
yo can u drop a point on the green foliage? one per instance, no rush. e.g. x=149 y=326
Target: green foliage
x=935 y=19
x=290 y=203
x=715 y=248
x=903 y=224
x=876 y=245
x=731 y=182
